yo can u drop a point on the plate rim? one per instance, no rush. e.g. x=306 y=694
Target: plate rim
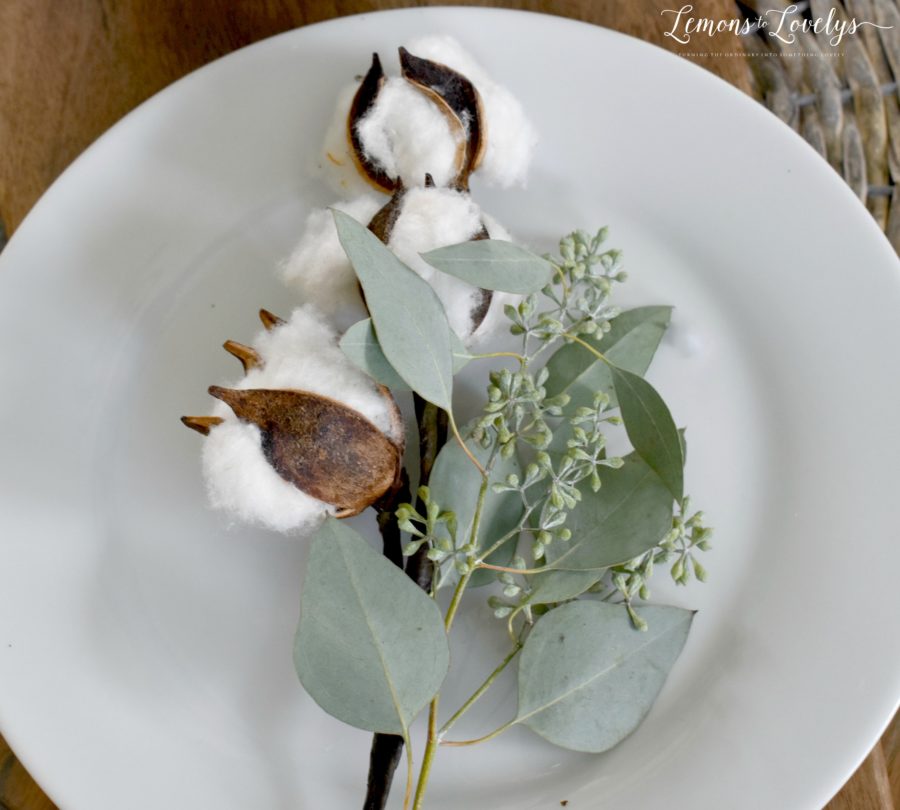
x=31 y=758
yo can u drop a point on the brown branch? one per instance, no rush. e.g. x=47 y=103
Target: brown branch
x=387 y=748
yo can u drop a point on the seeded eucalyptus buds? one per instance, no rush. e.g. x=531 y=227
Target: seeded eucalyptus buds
x=303 y=434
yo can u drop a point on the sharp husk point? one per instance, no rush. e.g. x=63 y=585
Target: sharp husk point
x=248 y=356
x=201 y=424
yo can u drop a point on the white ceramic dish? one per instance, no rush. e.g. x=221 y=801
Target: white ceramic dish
x=145 y=649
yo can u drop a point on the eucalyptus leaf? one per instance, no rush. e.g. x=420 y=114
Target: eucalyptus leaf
x=370 y=648
x=364 y=351
x=627 y=516
x=493 y=264
x=361 y=346
x=631 y=342
x=587 y=678
x=459 y=352
x=651 y=429
x=408 y=317
x=454 y=485
x=562 y=585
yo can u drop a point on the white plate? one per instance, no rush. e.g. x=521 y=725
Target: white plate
x=145 y=650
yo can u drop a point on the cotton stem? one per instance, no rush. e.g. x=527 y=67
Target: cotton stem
x=387 y=748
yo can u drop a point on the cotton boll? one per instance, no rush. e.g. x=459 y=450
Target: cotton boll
x=510 y=136
x=447 y=51
x=336 y=162
x=510 y=139
x=430 y=218
x=240 y=481
x=409 y=136
x=301 y=354
x=319 y=268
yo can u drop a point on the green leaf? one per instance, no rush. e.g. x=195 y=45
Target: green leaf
x=409 y=319
x=587 y=678
x=454 y=485
x=630 y=344
x=493 y=264
x=651 y=429
x=627 y=516
x=362 y=348
x=560 y=586
x=461 y=356
x=364 y=351
x=370 y=648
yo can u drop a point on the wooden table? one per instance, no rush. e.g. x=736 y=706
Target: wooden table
x=69 y=69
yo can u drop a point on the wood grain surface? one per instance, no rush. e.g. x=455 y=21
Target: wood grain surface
x=69 y=69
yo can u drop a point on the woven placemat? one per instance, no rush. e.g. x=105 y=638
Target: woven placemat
x=842 y=98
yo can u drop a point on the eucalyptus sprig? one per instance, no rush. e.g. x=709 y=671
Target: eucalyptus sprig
x=525 y=499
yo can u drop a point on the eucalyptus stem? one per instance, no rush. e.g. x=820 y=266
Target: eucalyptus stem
x=433 y=740
x=409 y=772
x=599 y=355
x=506 y=538
x=476 y=695
x=507 y=569
x=387 y=748
x=427 y=758
x=462 y=444
x=488 y=355
x=495 y=733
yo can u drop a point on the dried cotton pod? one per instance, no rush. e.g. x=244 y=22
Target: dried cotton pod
x=319 y=445
x=420 y=219
x=443 y=116
x=510 y=138
x=413 y=221
x=399 y=128
x=303 y=434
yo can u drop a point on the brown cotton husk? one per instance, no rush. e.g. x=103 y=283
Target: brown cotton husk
x=362 y=102
x=201 y=424
x=382 y=225
x=248 y=356
x=270 y=321
x=458 y=98
x=479 y=313
x=383 y=222
x=319 y=445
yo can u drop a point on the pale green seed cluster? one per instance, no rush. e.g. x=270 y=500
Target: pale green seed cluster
x=563 y=450
x=560 y=475
x=566 y=449
x=582 y=283
x=630 y=580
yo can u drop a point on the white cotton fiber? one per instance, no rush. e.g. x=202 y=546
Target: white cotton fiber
x=241 y=482
x=436 y=217
x=510 y=136
x=431 y=218
x=304 y=355
x=301 y=354
x=409 y=136
x=336 y=162
x=319 y=268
